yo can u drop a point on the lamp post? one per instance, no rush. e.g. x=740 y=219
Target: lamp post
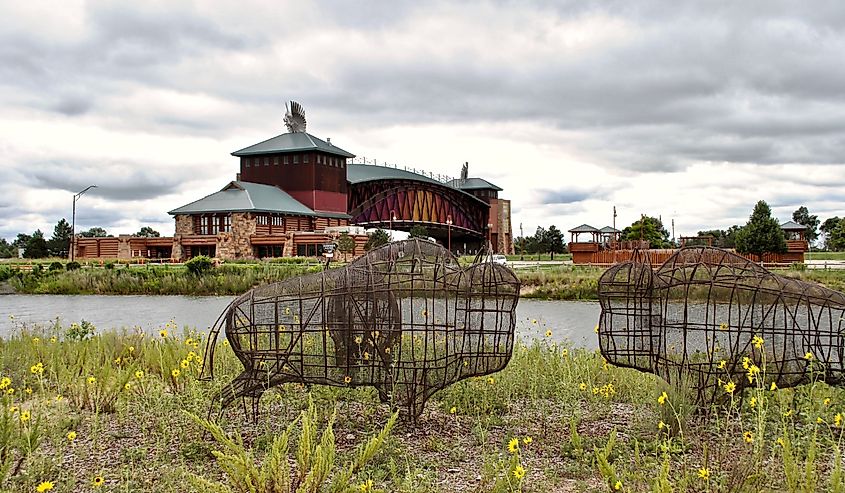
x=73 y=221
x=490 y=237
x=392 y=218
x=449 y=228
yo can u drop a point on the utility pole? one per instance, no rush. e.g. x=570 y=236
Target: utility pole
x=73 y=221
x=522 y=246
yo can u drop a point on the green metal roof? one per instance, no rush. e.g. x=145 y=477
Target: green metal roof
x=792 y=226
x=473 y=184
x=584 y=228
x=244 y=196
x=292 y=142
x=609 y=229
x=359 y=173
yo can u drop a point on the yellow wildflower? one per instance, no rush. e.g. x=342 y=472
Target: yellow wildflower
x=28 y=390
x=788 y=413
x=491 y=380
x=781 y=442
x=163 y=333
x=548 y=333
x=127 y=386
x=424 y=312
x=5 y=382
x=97 y=481
x=534 y=321
x=139 y=374
x=757 y=341
x=175 y=373
x=746 y=362
x=189 y=342
x=583 y=386
x=185 y=363
x=617 y=486
x=131 y=349
x=837 y=420
x=59 y=398
x=25 y=416
x=723 y=326
x=117 y=360
x=13 y=409
x=10 y=391
x=453 y=410
x=44 y=486
x=226 y=342
x=595 y=390
x=519 y=471
x=730 y=387
x=819 y=420
x=661 y=425
x=358 y=339
x=753 y=402
x=703 y=473
x=773 y=387
x=71 y=436
x=347 y=379
x=36 y=369
x=723 y=364
x=596 y=329
x=91 y=380
x=565 y=353
x=527 y=440
x=827 y=401
x=366 y=486
x=662 y=399
x=513 y=445
x=808 y=356
x=35 y=340
x=53 y=339
x=366 y=355
x=387 y=350
x=748 y=437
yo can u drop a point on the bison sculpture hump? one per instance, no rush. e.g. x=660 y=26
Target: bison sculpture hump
x=713 y=317
x=404 y=318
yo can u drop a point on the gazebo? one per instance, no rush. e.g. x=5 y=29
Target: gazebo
x=610 y=236
x=793 y=230
x=585 y=228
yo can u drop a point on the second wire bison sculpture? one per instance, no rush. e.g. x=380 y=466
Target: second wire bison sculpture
x=713 y=317
x=404 y=318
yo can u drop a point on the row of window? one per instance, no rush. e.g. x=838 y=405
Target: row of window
x=294 y=159
x=211 y=225
x=267 y=220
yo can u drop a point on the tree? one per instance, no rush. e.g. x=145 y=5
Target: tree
x=650 y=229
x=554 y=241
x=721 y=237
x=148 y=232
x=835 y=235
x=827 y=227
x=419 y=232
x=7 y=250
x=95 y=232
x=36 y=247
x=377 y=238
x=802 y=216
x=59 y=244
x=762 y=233
x=345 y=244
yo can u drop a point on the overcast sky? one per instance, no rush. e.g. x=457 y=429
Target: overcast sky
x=688 y=112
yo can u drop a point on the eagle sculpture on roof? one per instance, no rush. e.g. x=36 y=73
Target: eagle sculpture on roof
x=294 y=117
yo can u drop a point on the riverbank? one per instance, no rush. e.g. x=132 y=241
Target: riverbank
x=113 y=411
x=550 y=282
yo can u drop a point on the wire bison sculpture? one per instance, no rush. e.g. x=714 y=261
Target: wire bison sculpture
x=405 y=318
x=711 y=317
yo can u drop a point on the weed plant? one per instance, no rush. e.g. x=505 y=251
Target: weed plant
x=84 y=410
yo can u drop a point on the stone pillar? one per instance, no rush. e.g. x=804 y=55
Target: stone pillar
x=184 y=224
x=177 y=252
x=243 y=227
x=123 y=249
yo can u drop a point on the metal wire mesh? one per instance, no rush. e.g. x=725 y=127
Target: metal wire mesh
x=710 y=317
x=405 y=318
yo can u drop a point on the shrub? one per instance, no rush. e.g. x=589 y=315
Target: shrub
x=109 y=265
x=56 y=266
x=80 y=331
x=199 y=265
x=72 y=265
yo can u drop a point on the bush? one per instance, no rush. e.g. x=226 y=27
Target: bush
x=72 y=265
x=109 y=265
x=55 y=266
x=199 y=265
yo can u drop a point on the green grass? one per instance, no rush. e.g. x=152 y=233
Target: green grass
x=825 y=255
x=573 y=423
x=554 y=282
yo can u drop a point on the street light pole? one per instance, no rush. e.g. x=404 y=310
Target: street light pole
x=392 y=218
x=449 y=227
x=73 y=221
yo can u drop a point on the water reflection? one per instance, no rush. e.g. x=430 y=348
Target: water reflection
x=570 y=320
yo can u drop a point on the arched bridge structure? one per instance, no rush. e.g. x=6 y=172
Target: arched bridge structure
x=376 y=194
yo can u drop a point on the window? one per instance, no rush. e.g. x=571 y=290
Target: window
x=285 y=160
x=266 y=161
x=225 y=223
x=213 y=224
x=305 y=158
x=246 y=162
x=296 y=159
x=278 y=221
x=276 y=161
x=262 y=220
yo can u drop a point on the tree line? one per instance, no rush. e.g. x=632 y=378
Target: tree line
x=36 y=245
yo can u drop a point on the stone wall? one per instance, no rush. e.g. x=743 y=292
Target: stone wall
x=235 y=243
x=184 y=224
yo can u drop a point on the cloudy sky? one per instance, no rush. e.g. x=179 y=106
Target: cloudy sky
x=688 y=112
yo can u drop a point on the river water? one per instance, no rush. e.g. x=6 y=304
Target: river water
x=571 y=321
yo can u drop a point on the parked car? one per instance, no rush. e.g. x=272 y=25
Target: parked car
x=500 y=259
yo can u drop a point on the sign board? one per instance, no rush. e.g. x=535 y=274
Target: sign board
x=328 y=247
